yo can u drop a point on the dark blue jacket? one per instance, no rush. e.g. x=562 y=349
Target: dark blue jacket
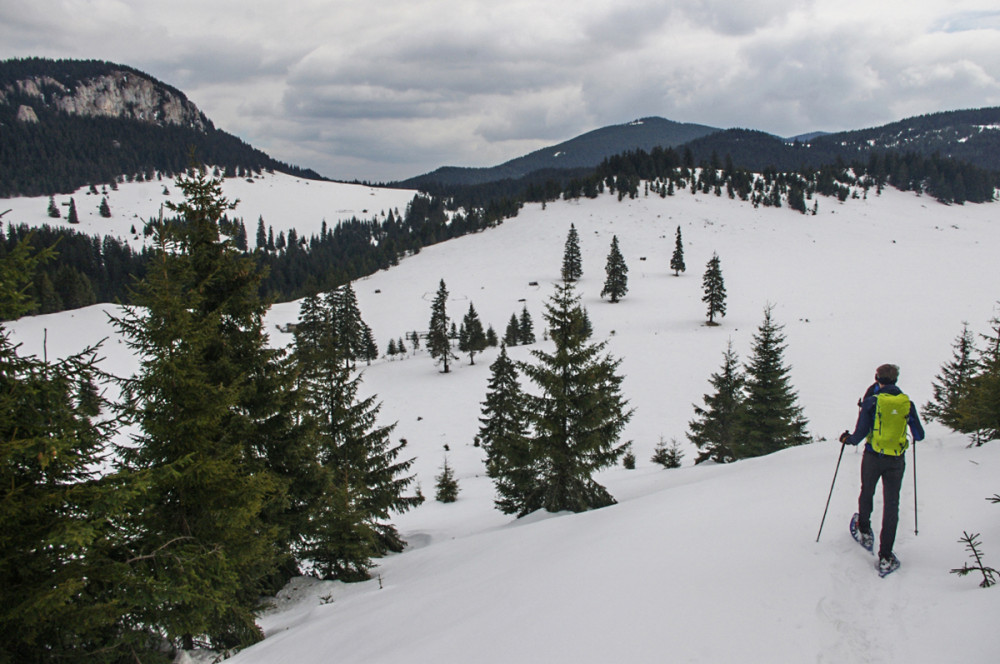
x=866 y=418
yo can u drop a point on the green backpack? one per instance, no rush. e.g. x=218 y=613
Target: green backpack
x=888 y=434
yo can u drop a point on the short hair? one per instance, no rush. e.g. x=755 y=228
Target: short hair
x=887 y=374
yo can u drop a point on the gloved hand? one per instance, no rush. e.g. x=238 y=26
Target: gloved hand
x=844 y=436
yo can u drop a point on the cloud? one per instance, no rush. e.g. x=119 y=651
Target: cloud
x=392 y=89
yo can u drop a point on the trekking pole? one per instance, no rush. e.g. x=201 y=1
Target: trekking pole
x=837 y=470
x=916 y=529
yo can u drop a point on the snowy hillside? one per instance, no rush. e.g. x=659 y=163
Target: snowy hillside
x=282 y=201
x=699 y=564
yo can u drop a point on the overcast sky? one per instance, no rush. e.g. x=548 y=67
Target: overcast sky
x=386 y=89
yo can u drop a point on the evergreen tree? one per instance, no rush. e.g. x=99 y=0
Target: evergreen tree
x=261 y=241
x=951 y=386
x=578 y=414
x=362 y=481
x=53 y=208
x=446 y=485
x=510 y=337
x=61 y=578
x=616 y=284
x=980 y=410
x=73 y=217
x=350 y=328
x=572 y=265
x=714 y=288
x=104 y=209
x=503 y=435
x=438 y=343
x=713 y=431
x=668 y=457
x=525 y=328
x=491 y=337
x=770 y=419
x=677 y=259
x=208 y=393
x=473 y=339
x=391 y=349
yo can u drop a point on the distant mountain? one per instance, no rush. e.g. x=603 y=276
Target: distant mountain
x=69 y=123
x=585 y=151
x=971 y=136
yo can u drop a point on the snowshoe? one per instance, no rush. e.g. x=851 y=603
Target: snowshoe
x=867 y=540
x=887 y=566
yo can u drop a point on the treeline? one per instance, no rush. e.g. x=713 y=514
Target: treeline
x=89 y=269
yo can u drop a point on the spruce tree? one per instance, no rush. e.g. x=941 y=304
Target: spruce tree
x=63 y=585
x=503 y=435
x=668 y=457
x=980 y=410
x=473 y=339
x=361 y=479
x=209 y=401
x=438 y=341
x=491 y=337
x=54 y=209
x=770 y=418
x=616 y=284
x=714 y=288
x=446 y=485
x=572 y=265
x=73 y=217
x=525 y=328
x=951 y=386
x=104 y=209
x=713 y=431
x=510 y=337
x=677 y=259
x=578 y=413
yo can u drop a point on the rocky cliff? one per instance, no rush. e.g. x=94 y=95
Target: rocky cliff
x=117 y=93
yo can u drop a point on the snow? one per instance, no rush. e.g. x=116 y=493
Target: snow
x=708 y=563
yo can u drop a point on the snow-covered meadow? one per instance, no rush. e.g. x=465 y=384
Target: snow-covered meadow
x=699 y=564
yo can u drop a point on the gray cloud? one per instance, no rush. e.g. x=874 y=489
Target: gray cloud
x=390 y=90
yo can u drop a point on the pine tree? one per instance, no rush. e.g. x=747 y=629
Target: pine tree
x=104 y=209
x=677 y=259
x=391 y=349
x=446 y=485
x=261 y=240
x=438 y=343
x=503 y=435
x=713 y=431
x=510 y=337
x=472 y=340
x=578 y=414
x=491 y=337
x=714 y=289
x=525 y=328
x=54 y=209
x=209 y=399
x=951 y=386
x=73 y=217
x=572 y=265
x=770 y=419
x=616 y=284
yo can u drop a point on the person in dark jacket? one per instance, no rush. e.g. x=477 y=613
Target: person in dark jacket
x=885 y=415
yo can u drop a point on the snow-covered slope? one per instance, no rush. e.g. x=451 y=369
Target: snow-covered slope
x=703 y=563
x=282 y=201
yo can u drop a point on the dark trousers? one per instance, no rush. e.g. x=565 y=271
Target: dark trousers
x=889 y=469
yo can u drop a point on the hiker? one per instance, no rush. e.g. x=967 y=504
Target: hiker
x=885 y=415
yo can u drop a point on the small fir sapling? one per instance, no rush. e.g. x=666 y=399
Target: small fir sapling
x=447 y=485
x=668 y=457
x=972 y=544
